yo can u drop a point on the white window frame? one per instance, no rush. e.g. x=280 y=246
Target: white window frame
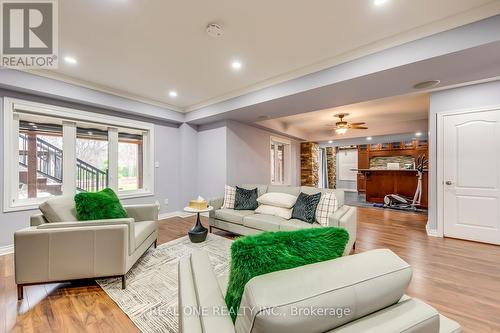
x=288 y=159
x=70 y=118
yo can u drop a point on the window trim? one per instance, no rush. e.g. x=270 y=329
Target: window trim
x=68 y=115
x=288 y=159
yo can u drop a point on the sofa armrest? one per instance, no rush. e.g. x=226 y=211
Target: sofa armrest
x=37 y=219
x=199 y=289
x=346 y=217
x=44 y=255
x=143 y=212
x=128 y=222
x=216 y=203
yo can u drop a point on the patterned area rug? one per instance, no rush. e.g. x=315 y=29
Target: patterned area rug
x=150 y=299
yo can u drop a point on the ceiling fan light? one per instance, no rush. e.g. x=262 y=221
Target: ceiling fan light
x=341 y=131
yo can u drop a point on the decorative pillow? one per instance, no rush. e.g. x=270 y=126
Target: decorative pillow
x=229 y=196
x=275 y=251
x=305 y=207
x=277 y=199
x=245 y=199
x=327 y=205
x=285 y=213
x=99 y=206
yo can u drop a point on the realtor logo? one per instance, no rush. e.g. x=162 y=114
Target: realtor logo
x=29 y=36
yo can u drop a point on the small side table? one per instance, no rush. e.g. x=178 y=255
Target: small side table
x=198 y=232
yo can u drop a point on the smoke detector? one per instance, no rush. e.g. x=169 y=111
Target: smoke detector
x=214 y=30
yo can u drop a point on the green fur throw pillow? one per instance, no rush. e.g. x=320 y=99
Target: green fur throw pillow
x=275 y=251
x=98 y=206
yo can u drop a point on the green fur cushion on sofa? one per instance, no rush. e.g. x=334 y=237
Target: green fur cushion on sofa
x=274 y=251
x=98 y=206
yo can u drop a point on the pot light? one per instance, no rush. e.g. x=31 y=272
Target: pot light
x=341 y=131
x=172 y=93
x=369 y=138
x=236 y=65
x=70 y=60
x=380 y=2
x=330 y=142
x=418 y=134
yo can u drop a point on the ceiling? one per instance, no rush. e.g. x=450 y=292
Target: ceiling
x=395 y=115
x=142 y=49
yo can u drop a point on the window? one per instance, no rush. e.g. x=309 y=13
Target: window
x=51 y=151
x=130 y=152
x=280 y=161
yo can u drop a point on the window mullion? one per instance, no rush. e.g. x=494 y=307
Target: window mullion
x=69 y=158
x=113 y=158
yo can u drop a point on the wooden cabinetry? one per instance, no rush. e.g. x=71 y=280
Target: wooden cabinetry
x=413 y=148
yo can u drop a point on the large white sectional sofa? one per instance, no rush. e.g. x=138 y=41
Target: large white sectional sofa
x=361 y=293
x=247 y=222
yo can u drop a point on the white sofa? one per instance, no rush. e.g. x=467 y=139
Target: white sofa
x=57 y=247
x=247 y=222
x=361 y=293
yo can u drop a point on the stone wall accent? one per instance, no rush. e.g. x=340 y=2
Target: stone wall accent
x=309 y=164
x=331 y=165
x=380 y=162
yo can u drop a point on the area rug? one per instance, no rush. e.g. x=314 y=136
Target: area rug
x=150 y=299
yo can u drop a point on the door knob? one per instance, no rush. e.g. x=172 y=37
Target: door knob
x=448 y=182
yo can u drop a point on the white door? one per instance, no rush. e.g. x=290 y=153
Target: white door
x=472 y=176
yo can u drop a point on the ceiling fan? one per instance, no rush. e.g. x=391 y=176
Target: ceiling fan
x=342 y=126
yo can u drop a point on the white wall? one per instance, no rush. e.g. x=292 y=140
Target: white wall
x=249 y=158
x=212 y=160
x=470 y=97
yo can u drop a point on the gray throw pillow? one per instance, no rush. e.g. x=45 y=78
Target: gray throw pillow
x=245 y=199
x=305 y=207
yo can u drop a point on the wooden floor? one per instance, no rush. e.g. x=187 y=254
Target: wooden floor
x=459 y=278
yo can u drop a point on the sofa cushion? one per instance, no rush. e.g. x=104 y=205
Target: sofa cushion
x=261 y=189
x=293 y=190
x=339 y=194
x=59 y=209
x=233 y=216
x=263 y=222
x=253 y=256
x=305 y=207
x=277 y=199
x=285 y=213
x=246 y=199
x=229 y=197
x=99 y=205
x=326 y=207
x=142 y=231
x=294 y=224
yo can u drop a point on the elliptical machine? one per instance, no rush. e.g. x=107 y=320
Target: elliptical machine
x=396 y=201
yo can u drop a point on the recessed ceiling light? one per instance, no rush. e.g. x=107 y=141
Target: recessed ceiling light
x=369 y=138
x=172 y=93
x=70 y=60
x=330 y=141
x=418 y=134
x=380 y=2
x=236 y=65
x=427 y=84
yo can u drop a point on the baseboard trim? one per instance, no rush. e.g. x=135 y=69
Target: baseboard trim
x=431 y=232
x=8 y=249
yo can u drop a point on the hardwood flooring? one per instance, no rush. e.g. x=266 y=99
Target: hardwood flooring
x=459 y=278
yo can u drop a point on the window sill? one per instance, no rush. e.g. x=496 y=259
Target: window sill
x=34 y=205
